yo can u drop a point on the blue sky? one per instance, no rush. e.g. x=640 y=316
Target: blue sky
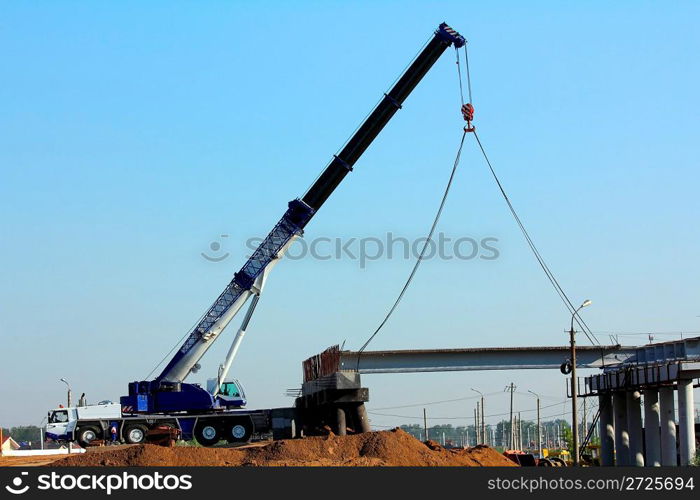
x=132 y=136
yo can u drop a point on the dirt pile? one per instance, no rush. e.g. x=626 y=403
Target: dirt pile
x=384 y=448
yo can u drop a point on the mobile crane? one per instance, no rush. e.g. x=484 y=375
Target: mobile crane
x=217 y=412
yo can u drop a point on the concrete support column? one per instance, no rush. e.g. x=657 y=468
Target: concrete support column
x=622 y=437
x=652 y=434
x=607 y=430
x=686 y=421
x=634 y=427
x=341 y=422
x=668 y=427
x=363 y=421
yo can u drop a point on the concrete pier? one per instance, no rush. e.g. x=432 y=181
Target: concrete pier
x=686 y=422
x=622 y=437
x=656 y=371
x=652 y=433
x=668 y=426
x=607 y=429
x=341 y=421
x=634 y=427
x=361 y=416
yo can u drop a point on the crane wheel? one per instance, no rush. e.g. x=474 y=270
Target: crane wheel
x=135 y=433
x=86 y=435
x=207 y=433
x=238 y=430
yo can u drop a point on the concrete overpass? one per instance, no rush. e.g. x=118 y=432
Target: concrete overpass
x=480 y=358
x=652 y=373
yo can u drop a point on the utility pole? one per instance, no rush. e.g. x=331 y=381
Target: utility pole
x=528 y=438
x=574 y=395
x=484 y=436
x=584 y=425
x=476 y=425
x=511 y=388
x=425 y=424
x=574 y=410
x=483 y=421
x=520 y=432
x=479 y=438
x=546 y=439
x=539 y=426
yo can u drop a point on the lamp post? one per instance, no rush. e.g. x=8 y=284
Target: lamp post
x=574 y=412
x=539 y=432
x=69 y=391
x=483 y=415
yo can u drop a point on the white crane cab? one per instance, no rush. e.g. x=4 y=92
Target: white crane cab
x=230 y=394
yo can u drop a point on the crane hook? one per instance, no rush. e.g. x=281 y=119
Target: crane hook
x=468 y=115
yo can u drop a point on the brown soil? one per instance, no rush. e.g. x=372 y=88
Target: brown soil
x=28 y=461
x=385 y=448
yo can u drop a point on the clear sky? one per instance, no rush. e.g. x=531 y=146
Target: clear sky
x=133 y=136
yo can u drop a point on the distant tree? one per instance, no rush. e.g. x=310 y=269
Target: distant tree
x=553 y=432
x=456 y=435
x=23 y=433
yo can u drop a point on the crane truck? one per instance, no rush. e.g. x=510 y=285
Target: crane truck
x=218 y=411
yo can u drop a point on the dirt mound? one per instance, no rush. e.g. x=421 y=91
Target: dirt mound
x=385 y=448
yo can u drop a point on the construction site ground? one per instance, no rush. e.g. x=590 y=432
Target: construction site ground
x=383 y=448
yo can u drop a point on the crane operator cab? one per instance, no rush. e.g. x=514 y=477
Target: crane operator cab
x=231 y=393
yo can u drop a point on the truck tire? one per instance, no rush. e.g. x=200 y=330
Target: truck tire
x=86 y=435
x=207 y=433
x=238 y=430
x=135 y=433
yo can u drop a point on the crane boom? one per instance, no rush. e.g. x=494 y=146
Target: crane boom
x=248 y=280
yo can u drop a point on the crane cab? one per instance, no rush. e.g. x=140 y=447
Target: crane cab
x=231 y=393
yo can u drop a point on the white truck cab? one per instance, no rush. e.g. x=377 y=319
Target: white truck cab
x=62 y=421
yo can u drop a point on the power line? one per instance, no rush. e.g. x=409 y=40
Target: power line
x=414 y=405
x=175 y=346
x=548 y=272
x=462 y=417
x=542 y=396
x=421 y=256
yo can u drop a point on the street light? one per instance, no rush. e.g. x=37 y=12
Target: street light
x=69 y=391
x=483 y=413
x=574 y=412
x=539 y=435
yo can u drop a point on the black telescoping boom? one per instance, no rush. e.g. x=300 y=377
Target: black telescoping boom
x=248 y=280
